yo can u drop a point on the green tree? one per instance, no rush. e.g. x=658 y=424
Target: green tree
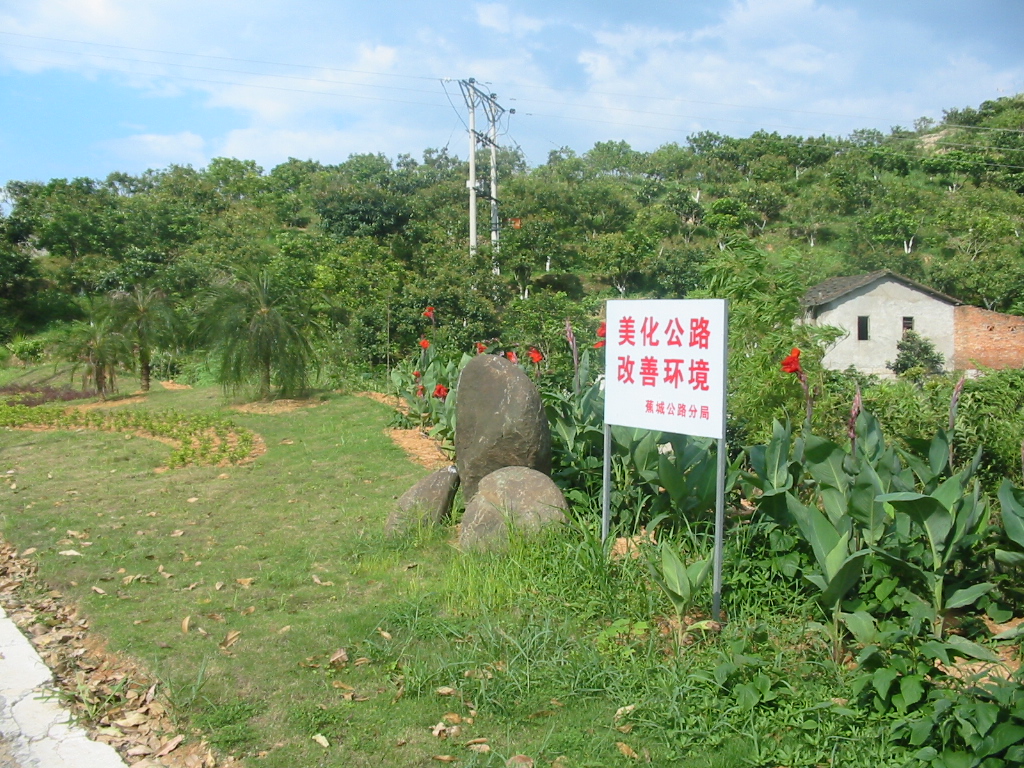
x=146 y=319
x=914 y=351
x=95 y=345
x=258 y=329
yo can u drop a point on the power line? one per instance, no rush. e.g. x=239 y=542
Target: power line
x=221 y=69
x=518 y=85
x=219 y=58
x=270 y=87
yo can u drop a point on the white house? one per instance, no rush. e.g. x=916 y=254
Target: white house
x=875 y=310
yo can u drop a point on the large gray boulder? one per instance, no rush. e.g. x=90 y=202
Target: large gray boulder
x=516 y=497
x=499 y=422
x=426 y=504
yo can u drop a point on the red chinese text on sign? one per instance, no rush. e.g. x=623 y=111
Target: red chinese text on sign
x=666 y=365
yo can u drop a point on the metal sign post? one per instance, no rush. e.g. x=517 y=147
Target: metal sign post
x=665 y=370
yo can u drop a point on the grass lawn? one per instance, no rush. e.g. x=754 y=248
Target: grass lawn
x=535 y=651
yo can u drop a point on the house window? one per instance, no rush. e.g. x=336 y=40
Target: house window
x=862 y=328
x=908 y=324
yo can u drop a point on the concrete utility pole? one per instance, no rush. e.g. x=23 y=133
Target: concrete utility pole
x=473 y=96
x=469 y=92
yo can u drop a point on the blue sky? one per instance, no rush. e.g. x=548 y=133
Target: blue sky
x=88 y=87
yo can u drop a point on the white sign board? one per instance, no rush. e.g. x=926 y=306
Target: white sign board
x=665 y=365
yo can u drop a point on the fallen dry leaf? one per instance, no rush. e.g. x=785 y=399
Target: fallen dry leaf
x=339 y=658
x=316 y=580
x=440 y=730
x=192 y=500
x=471 y=742
x=453 y=718
x=247 y=611
x=98 y=591
x=445 y=690
x=285 y=628
x=219 y=586
x=627 y=750
x=322 y=740
x=481 y=749
x=177 y=533
x=385 y=635
x=132 y=720
x=519 y=761
x=185 y=624
x=230 y=639
x=246 y=583
x=170 y=746
x=362 y=661
x=443 y=758
x=29 y=551
x=342 y=686
x=623 y=711
x=70 y=553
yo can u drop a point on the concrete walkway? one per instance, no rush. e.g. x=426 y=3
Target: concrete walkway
x=35 y=732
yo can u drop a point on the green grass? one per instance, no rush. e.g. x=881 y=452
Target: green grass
x=542 y=645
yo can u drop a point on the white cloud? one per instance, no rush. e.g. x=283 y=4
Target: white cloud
x=498 y=17
x=152 y=150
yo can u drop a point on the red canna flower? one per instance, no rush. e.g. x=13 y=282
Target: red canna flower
x=480 y=347
x=602 y=331
x=416 y=374
x=791 y=364
x=512 y=357
x=424 y=344
x=441 y=391
x=535 y=355
x=429 y=313
x=420 y=390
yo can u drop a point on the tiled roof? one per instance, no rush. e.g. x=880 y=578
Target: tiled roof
x=835 y=287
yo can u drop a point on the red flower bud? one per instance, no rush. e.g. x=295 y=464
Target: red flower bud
x=441 y=391
x=480 y=347
x=535 y=355
x=429 y=313
x=512 y=357
x=424 y=344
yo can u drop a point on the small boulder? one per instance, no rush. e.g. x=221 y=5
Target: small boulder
x=499 y=422
x=519 y=497
x=426 y=504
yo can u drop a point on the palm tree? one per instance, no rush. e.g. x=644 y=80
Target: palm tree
x=257 y=329
x=146 y=318
x=96 y=345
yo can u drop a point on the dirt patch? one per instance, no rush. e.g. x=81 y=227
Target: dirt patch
x=173 y=385
x=630 y=546
x=275 y=407
x=419 y=447
x=114 y=697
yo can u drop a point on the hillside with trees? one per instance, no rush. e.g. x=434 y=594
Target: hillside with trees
x=203 y=272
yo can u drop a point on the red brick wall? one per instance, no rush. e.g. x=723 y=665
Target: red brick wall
x=984 y=339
